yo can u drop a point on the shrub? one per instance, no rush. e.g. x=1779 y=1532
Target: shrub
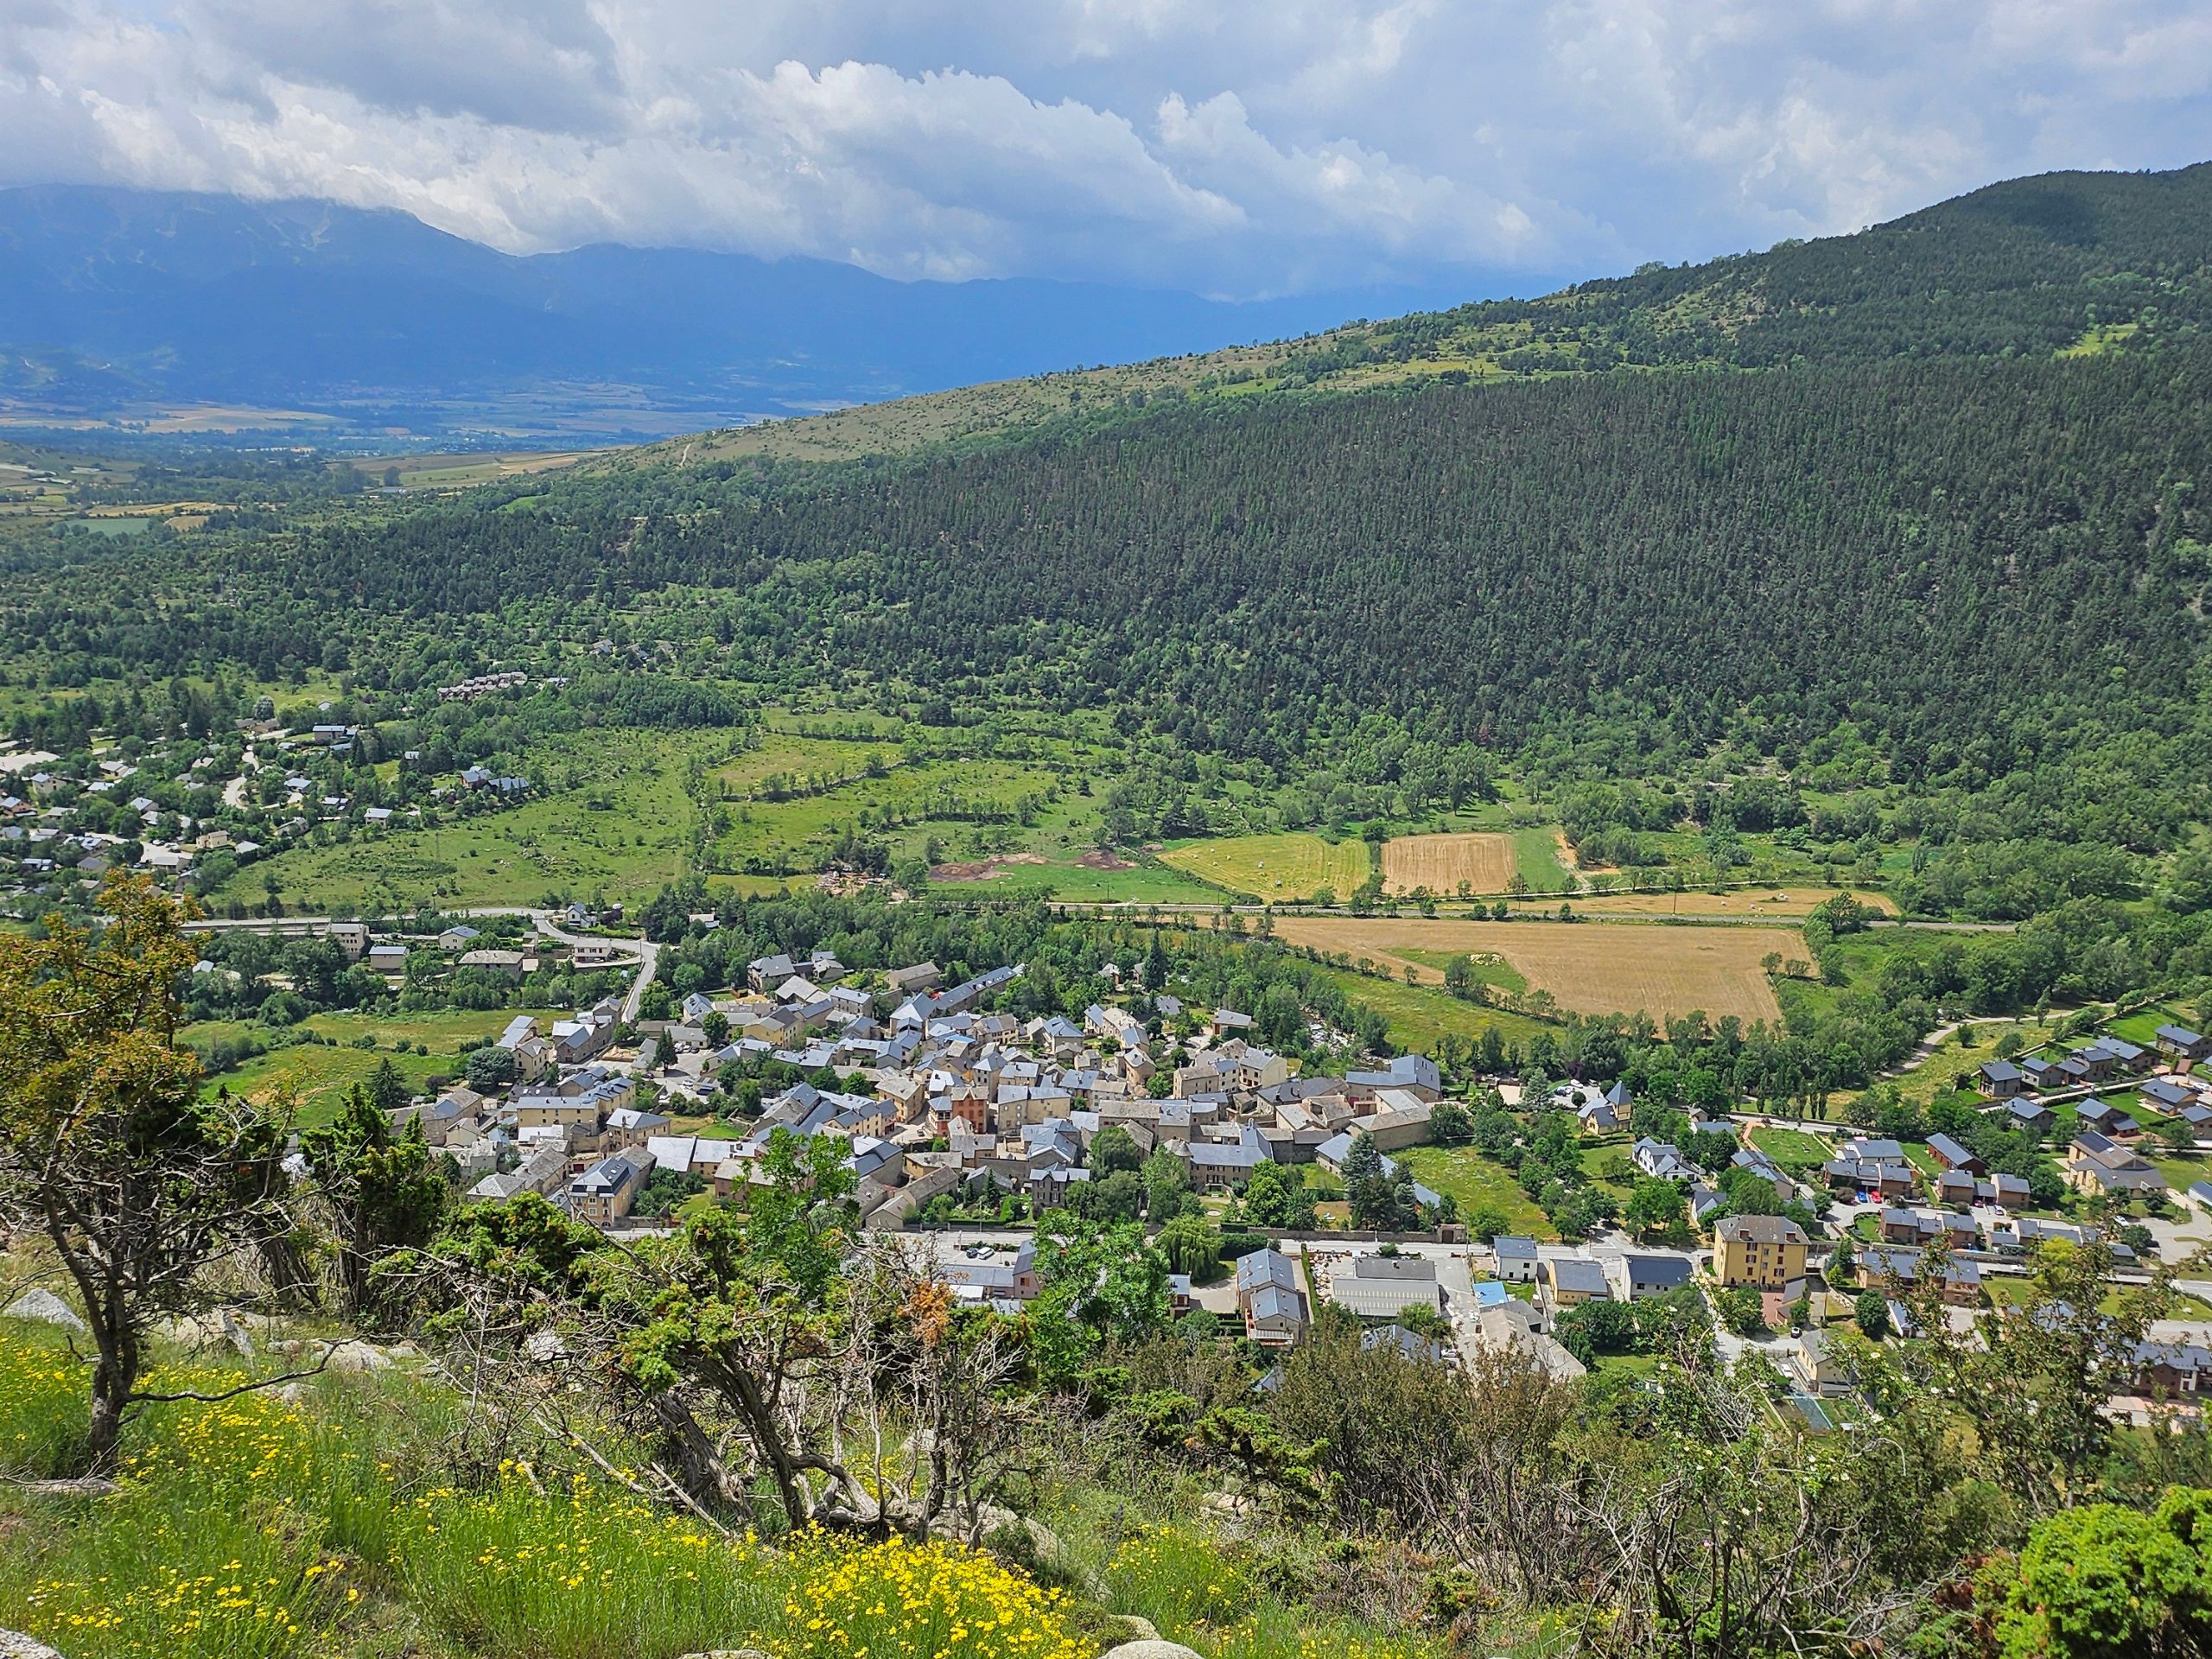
x=937 y=1599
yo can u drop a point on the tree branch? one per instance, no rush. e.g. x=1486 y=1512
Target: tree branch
x=321 y=1366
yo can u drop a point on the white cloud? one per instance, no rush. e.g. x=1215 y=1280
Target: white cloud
x=1237 y=146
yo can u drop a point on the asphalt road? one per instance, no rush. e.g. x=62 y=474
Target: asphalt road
x=642 y=951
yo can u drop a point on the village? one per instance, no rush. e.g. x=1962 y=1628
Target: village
x=190 y=812
x=968 y=1130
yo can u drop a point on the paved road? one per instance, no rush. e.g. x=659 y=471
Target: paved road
x=234 y=791
x=1584 y=910
x=642 y=951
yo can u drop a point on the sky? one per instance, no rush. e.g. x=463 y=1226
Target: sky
x=1235 y=148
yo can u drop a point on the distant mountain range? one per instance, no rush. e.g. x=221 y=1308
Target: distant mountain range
x=117 y=307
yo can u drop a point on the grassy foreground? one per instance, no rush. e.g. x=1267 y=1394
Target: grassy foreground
x=346 y=1518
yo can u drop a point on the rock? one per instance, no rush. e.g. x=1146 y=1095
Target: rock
x=1150 y=1651
x=21 y=1647
x=235 y=1333
x=44 y=1307
x=221 y=1329
x=353 y=1359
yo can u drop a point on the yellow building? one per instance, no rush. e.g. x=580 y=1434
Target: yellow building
x=1766 y=1252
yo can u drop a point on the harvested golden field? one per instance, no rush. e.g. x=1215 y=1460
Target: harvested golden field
x=1588 y=967
x=1784 y=904
x=1441 y=863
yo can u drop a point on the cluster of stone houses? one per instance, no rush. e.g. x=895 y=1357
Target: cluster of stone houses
x=978 y=1104
x=482 y=685
x=942 y=1097
x=568 y=1128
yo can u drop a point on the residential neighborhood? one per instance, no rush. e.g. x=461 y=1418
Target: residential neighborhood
x=967 y=1130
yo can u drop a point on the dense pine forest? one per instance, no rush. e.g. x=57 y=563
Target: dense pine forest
x=1927 y=499
x=2025 y=267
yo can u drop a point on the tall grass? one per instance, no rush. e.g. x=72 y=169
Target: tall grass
x=269 y=1528
x=1159 y=1560
x=587 y=1573
x=1178 y=1579
x=217 y=1542
x=44 y=1404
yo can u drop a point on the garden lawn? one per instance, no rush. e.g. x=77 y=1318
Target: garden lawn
x=1952 y=1067
x=1474 y=1181
x=2182 y=1173
x=2141 y=1026
x=1792 y=1149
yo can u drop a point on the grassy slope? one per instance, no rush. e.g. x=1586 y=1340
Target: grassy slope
x=321 y=1074
x=616 y=815
x=326 y=1521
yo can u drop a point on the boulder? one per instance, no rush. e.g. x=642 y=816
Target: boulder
x=21 y=1647
x=351 y=1358
x=1150 y=1651
x=223 y=1328
x=44 y=1307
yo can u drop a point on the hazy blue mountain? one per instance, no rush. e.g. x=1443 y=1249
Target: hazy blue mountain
x=112 y=299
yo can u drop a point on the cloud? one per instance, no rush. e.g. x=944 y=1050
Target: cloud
x=1232 y=146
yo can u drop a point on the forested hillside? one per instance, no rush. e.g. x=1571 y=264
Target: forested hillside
x=1981 y=569
x=1885 y=540
x=1972 y=561
x=2065 y=262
